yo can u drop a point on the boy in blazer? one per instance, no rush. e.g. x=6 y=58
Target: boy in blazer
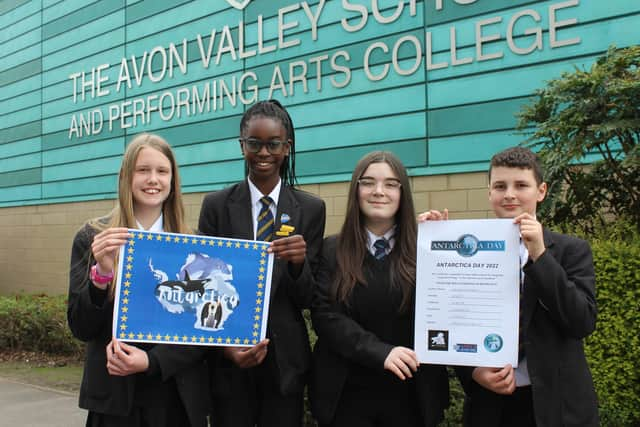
x=552 y=385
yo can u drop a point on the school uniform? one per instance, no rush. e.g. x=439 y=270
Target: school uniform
x=270 y=394
x=349 y=384
x=558 y=311
x=173 y=391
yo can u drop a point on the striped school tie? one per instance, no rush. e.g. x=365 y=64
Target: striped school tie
x=265 y=221
x=381 y=246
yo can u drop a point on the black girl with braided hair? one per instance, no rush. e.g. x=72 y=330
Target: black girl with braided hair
x=263 y=385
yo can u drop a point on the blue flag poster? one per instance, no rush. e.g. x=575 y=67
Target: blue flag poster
x=196 y=290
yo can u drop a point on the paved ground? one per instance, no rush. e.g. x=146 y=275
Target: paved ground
x=29 y=406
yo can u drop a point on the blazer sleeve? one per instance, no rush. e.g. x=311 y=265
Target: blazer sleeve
x=338 y=331
x=89 y=310
x=564 y=283
x=208 y=221
x=300 y=288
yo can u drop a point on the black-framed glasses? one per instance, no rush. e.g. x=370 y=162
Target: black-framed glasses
x=370 y=184
x=254 y=145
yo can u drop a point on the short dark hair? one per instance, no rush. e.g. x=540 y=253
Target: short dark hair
x=518 y=157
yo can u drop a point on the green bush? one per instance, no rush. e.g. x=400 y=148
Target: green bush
x=613 y=350
x=36 y=323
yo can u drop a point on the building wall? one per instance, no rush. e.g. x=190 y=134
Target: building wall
x=36 y=244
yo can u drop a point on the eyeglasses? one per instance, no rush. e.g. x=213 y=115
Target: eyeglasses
x=254 y=145
x=370 y=184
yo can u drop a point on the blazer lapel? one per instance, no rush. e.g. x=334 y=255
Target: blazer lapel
x=239 y=212
x=288 y=212
x=530 y=300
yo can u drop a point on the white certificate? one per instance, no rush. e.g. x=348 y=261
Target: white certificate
x=467 y=292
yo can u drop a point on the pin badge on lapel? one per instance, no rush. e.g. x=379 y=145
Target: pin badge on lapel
x=285 y=230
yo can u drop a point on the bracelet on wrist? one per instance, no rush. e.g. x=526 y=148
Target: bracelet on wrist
x=98 y=278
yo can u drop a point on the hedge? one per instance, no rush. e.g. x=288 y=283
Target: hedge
x=613 y=350
x=37 y=323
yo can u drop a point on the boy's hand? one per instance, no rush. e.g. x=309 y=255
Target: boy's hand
x=433 y=215
x=498 y=380
x=531 y=232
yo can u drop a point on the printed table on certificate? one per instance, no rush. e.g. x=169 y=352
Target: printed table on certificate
x=467 y=292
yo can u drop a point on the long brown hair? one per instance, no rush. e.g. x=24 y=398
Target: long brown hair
x=122 y=214
x=352 y=240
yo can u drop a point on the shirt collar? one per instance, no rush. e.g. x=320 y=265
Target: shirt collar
x=156 y=227
x=256 y=195
x=389 y=235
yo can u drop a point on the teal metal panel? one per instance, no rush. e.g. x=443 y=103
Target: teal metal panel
x=343 y=160
x=13 y=60
x=80 y=17
x=16 y=196
x=90 y=167
x=25 y=115
x=445 y=120
x=13 y=11
x=16 y=103
x=19 y=178
x=20 y=35
x=19 y=87
x=18 y=163
x=140 y=10
x=475 y=118
x=470 y=148
x=97 y=185
x=56 y=9
x=78 y=153
x=77 y=42
x=24 y=131
x=20 y=72
x=11 y=149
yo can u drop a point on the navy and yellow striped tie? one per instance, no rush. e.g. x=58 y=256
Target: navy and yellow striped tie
x=265 y=221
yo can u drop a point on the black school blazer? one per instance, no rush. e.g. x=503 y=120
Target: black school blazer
x=107 y=394
x=330 y=368
x=559 y=310
x=227 y=213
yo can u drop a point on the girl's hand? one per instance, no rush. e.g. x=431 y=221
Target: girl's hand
x=433 y=215
x=124 y=359
x=105 y=247
x=292 y=248
x=402 y=362
x=498 y=380
x=247 y=357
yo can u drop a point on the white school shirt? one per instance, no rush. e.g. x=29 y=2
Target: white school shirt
x=256 y=204
x=522 y=372
x=156 y=227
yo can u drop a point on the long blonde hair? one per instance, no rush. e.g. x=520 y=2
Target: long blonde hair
x=122 y=214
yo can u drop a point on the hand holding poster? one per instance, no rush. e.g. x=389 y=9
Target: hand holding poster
x=467 y=292
x=182 y=289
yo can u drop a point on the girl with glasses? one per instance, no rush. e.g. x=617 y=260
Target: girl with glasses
x=125 y=385
x=263 y=385
x=365 y=372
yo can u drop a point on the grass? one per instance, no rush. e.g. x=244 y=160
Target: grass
x=42 y=370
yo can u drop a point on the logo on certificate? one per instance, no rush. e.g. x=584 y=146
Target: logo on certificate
x=468 y=245
x=438 y=340
x=466 y=348
x=493 y=343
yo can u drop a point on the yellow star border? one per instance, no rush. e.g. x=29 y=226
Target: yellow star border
x=170 y=238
